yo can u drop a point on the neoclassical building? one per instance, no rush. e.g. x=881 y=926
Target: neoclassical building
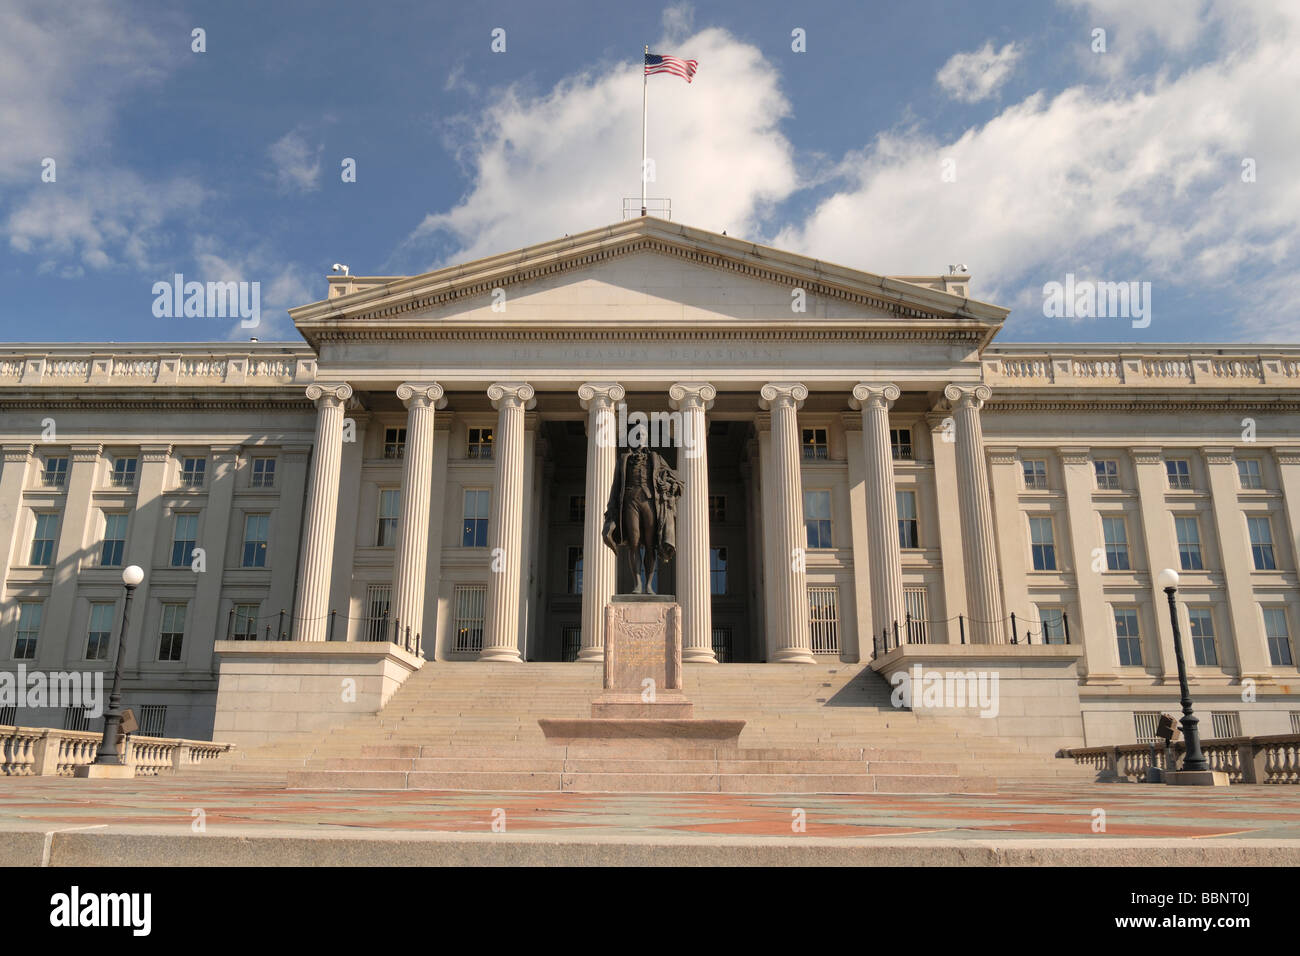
x=862 y=466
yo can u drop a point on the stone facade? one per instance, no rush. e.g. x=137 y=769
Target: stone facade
x=422 y=470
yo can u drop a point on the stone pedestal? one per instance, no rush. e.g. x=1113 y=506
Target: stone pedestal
x=1196 y=778
x=104 y=771
x=642 y=698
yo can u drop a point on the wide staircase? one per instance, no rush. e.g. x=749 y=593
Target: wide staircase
x=823 y=728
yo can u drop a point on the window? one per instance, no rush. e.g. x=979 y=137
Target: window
x=100 y=632
x=76 y=718
x=1189 y=542
x=470 y=601
x=1279 y=637
x=192 y=471
x=476 y=518
x=55 y=474
x=1179 y=472
x=1204 y=652
x=172 y=634
x=29 y=629
x=1035 y=470
x=394 y=442
x=717 y=570
x=1225 y=724
x=824 y=619
x=1128 y=636
x=574 y=575
x=815 y=446
x=717 y=509
x=916 y=605
x=9 y=716
x=577 y=508
x=255 y=538
x=1052 y=622
x=722 y=649
x=909 y=536
x=1145 y=724
x=184 y=536
x=111 y=551
x=153 y=720
x=900 y=444
x=570 y=642
x=1249 y=474
x=1295 y=721
x=379 y=599
x=480 y=444
x=244 y=623
x=1261 y=542
x=389 y=506
x=1107 y=471
x=123 y=474
x=43 y=538
x=1042 y=544
x=817 y=518
x=263 y=473
x=1115 y=533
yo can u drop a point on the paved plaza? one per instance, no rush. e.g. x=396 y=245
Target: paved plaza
x=63 y=821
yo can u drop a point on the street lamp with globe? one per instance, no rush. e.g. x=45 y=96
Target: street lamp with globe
x=1193 y=759
x=108 y=750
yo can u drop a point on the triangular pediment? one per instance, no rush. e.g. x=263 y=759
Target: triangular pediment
x=645 y=271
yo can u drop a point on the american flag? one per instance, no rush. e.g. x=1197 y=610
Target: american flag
x=654 y=63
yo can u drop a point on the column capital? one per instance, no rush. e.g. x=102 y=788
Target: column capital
x=1286 y=455
x=421 y=393
x=1146 y=455
x=691 y=394
x=1219 y=454
x=155 y=453
x=967 y=396
x=601 y=393
x=868 y=394
x=87 y=452
x=778 y=394
x=329 y=394
x=1075 y=454
x=511 y=394
x=18 y=452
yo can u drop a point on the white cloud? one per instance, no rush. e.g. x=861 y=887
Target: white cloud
x=971 y=77
x=297 y=164
x=64 y=65
x=563 y=161
x=1139 y=179
x=101 y=219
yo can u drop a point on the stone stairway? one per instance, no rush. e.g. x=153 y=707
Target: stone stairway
x=811 y=728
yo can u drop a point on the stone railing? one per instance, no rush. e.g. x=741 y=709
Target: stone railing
x=1271 y=759
x=1141 y=368
x=180 y=368
x=47 y=752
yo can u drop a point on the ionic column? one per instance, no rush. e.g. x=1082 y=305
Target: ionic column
x=694 y=594
x=311 y=606
x=599 y=564
x=788 y=578
x=506 y=533
x=886 y=560
x=412 y=557
x=979 y=548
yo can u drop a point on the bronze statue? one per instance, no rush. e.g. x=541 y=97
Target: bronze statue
x=641 y=517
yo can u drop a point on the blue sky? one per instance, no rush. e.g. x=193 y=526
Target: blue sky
x=906 y=137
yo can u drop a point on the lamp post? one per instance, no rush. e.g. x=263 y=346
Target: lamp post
x=108 y=753
x=1193 y=759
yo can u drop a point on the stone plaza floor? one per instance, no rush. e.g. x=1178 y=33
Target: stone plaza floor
x=56 y=820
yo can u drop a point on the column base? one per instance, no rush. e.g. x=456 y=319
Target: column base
x=593 y=654
x=698 y=655
x=509 y=655
x=793 y=655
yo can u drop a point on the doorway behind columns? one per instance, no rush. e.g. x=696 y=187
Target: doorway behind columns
x=732 y=541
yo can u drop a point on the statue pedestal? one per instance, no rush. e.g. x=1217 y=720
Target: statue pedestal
x=642 y=698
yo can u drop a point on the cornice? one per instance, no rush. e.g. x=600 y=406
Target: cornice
x=696 y=332
x=1099 y=404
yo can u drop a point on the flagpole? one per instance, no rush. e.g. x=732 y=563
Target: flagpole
x=643 y=128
